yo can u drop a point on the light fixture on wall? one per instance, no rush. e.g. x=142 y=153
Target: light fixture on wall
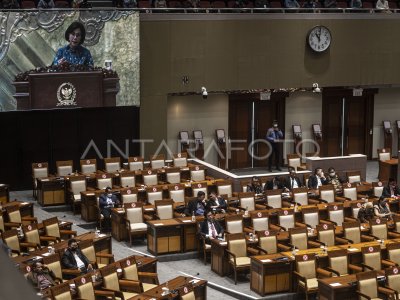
x=204 y=92
x=315 y=88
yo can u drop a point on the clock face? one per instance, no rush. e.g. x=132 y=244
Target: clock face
x=319 y=38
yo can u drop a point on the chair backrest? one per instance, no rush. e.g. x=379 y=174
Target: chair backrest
x=84 y=287
x=14 y=215
x=134 y=212
x=150 y=177
x=260 y=220
x=78 y=184
x=293 y=160
x=372 y=256
x=274 y=198
x=336 y=213
x=247 y=200
x=298 y=237
x=173 y=175
x=112 y=164
x=355 y=208
x=165 y=209
x=103 y=181
x=393 y=251
x=110 y=277
x=154 y=193
x=384 y=154
x=224 y=187
x=177 y=192
x=300 y=196
x=61 y=292
x=64 y=167
x=350 y=190
x=136 y=163
x=353 y=176
x=286 y=218
x=51 y=227
x=268 y=241
x=88 y=166
x=157 y=161
x=127 y=179
x=338 y=261
x=377 y=188
x=237 y=244
x=186 y=292
x=40 y=170
x=53 y=262
x=327 y=193
x=180 y=160
x=197 y=173
x=31 y=233
x=311 y=216
x=393 y=278
x=367 y=283
x=199 y=187
x=305 y=265
x=234 y=224
x=396 y=221
x=379 y=228
x=352 y=231
x=88 y=250
x=129 y=195
x=326 y=234
x=10 y=238
x=129 y=268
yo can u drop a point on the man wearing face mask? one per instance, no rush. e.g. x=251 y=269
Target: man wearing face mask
x=382 y=209
x=317 y=179
x=292 y=181
x=211 y=229
x=73 y=258
x=41 y=277
x=274 y=136
x=106 y=202
x=334 y=179
x=391 y=190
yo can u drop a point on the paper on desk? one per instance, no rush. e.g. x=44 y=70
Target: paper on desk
x=25 y=203
x=90 y=194
x=187 y=221
x=102 y=235
x=45 y=179
x=194 y=281
x=46 y=254
x=266 y=260
x=335 y=284
x=223 y=243
x=149 y=208
x=158 y=224
x=352 y=249
x=62 y=222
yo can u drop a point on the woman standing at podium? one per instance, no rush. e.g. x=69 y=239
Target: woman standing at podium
x=74 y=53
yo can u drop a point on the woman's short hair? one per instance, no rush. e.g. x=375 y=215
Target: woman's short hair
x=72 y=27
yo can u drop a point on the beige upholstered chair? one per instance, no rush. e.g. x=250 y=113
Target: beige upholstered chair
x=61 y=292
x=173 y=175
x=164 y=209
x=53 y=262
x=379 y=229
x=112 y=164
x=197 y=173
x=52 y=228
x=367 y=286
x=14 y=216
x=186 y=292
x=372 y=259
x=377 y=189
x=247 y=201
x=326 y=235
x=268 y=242
x=298 y=238
x=32 y=236
x=180 y=160
x=355 y=208
x=310 y=216
x=294 y=160
x=286 y=219
x=88 y=166
x=224 y=187
x=327 y=193
x=353 y=177
x=177 y=192
x=104 y=180
x=118 y=286
x=259 y=220
x=130 y=272
x=157 y=161
x=98 y=260
x=336 y=213
x=300 y=196
x=129 y=195
x=127 y=179
x=237 y=253
x=136 y=163
x=39 y=170
x=154 y=193
x=350 y=191
x=64 y=167
x=77 y=185
x=339 y=263
x=10 y=238
x=199 y=187
x=393 y=281
x=274 y=198
x=150 y=177
x=134 y=220
x=85 y=289
x=393 y=252
x=352 y=232
x=233 y=224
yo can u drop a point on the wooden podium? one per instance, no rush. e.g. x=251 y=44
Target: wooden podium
x=66 y=90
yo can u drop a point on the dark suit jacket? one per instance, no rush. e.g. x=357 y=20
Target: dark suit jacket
x=387 y=194
x=204 y=227
x=269 y=185
x=192 y=207
x=220 y=202
x=103 y=200
x=288 y=182
x=313 y=182
x=68 y=260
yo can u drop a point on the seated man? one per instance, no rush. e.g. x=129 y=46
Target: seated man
x=41 y=277
x=216 y=203
x=334 y=179
x=292 y=181
x=317 y=179
x=106 y=202
x=197 y=206
x=210 y=228
x=366 y=212
x=391 y=190
x=382 y=210
x=254 y=186
x=73 y=258
x=274 y=184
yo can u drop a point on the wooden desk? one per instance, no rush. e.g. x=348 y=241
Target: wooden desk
x=343 y=288
x=118 y=224
x=25 y=208
x=4 y=193
x=164 y=236
x=189 y=233
x=50 y=191
x=388 y=169
x=89 y=205
x=270 y=275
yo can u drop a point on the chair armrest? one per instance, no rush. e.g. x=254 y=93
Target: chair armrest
x=363 y=295
x=247 y=230
x=105 y=255
x=323 y=273
x=149 y=275
x=314 y=244
x=71 y=271
x=231 y=254
x=341 y=199
x=131 y=285
x=100 y=293
x=298 y=224
x=364 y=266
x=29 y=245
x=33 y=219
x=392 y=290
x=340 y=240
x=328 y=222
x=68 y=232
x=300 y=277
x=333 y=271
x=386 y=291
x=89 y=188
x=16 y=251
x=393 y=235
x=388 y=263
x=12 y=224
x=260 y=249
x=147 y=217
x=277 y=227
x=368 y=238
x=252 y=250
x=349 y=219
x=354 y=268
x=47 y=238
x=261 y=206
x=119 y=294
x=283 y=248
